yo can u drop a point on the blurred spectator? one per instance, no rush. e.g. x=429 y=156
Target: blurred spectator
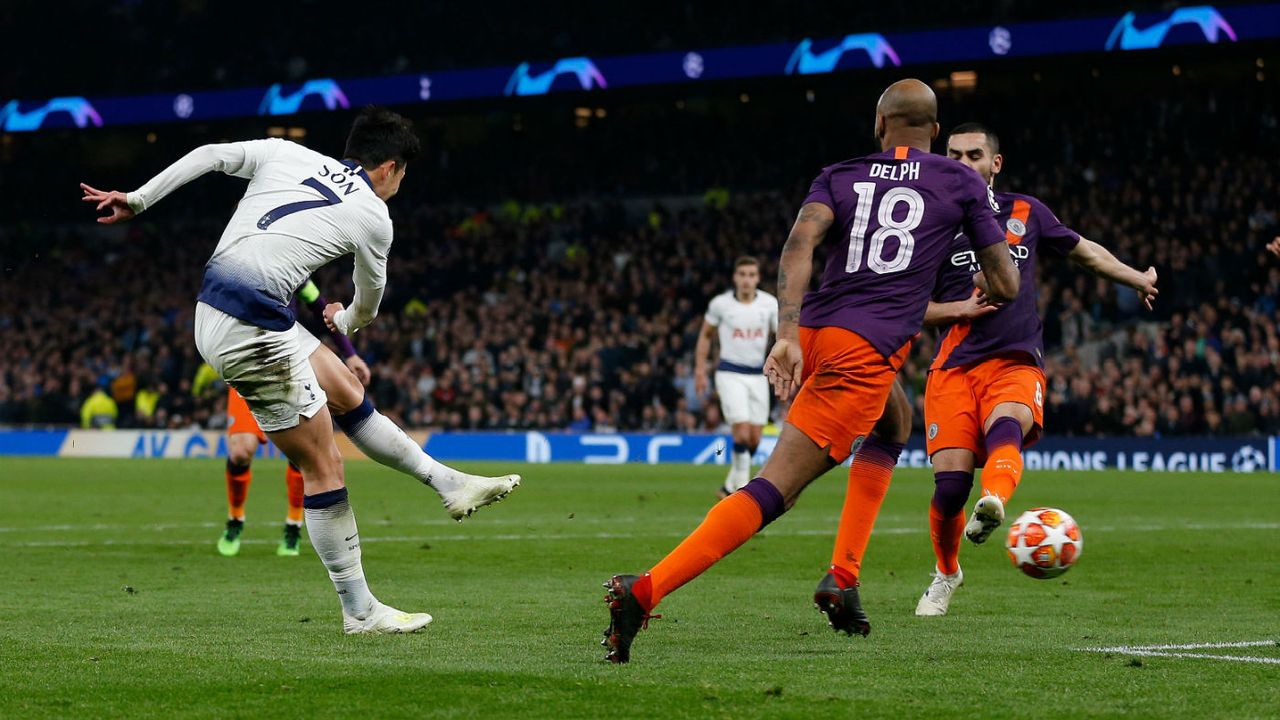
x=98 y=411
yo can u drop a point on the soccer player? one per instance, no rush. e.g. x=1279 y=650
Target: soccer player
x=301 y=211
x=984 y=400
x=744 y=317
x=244 y=437
x=893 y=216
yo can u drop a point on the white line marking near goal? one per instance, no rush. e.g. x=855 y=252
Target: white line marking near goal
x=1164 y=651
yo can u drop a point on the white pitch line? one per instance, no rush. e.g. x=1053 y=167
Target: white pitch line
x=1164 y=651
x=1191 y=646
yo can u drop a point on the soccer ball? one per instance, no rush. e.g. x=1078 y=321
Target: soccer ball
x=1044 y=542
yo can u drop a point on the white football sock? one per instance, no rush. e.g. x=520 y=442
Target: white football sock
x=333 y=534
x=742 y=467
x=384 y=442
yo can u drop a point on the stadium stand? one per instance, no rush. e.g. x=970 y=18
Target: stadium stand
x=561 y=286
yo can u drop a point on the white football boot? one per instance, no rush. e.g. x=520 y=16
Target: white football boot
x=937 y=597
x=473 y=492
x=988 y=514
x=385 y=620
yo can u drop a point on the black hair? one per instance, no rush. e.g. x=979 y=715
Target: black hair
x=379 y=135
x=978 y=128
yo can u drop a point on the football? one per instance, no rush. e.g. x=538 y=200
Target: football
x=1044 y=542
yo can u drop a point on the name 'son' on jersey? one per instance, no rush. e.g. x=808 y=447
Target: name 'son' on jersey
x=345 y=178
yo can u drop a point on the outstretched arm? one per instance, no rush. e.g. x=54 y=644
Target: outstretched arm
x=969 y=309
x=1098 y=260
x=240 y=159
x=783 y=366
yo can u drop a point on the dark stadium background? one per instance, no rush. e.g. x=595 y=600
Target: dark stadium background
x=554 y=255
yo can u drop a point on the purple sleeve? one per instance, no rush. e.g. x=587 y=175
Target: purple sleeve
x=978 y=202
x=1054 y=235
x=345 y=348
x=820 y=191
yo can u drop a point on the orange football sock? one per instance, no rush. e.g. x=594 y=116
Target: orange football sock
x=869 y=477
x=1003 y=470
x=951 y=490
x=238 y=478
x=729 y=524
x=293 y=488
x=945 y=533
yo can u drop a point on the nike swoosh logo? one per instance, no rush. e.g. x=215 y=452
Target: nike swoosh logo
x=347 y=539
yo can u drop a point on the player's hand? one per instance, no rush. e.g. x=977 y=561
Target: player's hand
x=113 y=201
x=700 y=382
x=1148 y=292
x=783 y=367
x=1274 y=246
x=977 y=305
x=329 y=311
x=359 y=368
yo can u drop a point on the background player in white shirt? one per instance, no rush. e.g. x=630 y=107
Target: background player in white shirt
x=301 y=211
x=744 y=318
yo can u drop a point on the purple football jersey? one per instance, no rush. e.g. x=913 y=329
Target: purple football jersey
x=1030 y=228
x=896 y=216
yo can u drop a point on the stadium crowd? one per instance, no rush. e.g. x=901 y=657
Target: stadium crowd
x=560 y=308
x=584 y=316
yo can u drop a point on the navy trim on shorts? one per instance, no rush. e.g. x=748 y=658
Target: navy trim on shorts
x=726 y=366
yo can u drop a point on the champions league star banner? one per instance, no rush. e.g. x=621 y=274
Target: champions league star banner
x=1182 y=454
x=1117 y=33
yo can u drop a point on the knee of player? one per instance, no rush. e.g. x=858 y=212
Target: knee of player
x=240 y=453
x=347 y=396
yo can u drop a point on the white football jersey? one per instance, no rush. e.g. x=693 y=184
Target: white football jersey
x=301 y=211
x=744 y=328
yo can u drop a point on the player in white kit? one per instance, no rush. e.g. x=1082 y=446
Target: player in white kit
x=301 y=211
x=743 y=318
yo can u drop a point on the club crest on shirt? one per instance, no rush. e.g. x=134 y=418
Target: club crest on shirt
x=1016 y=226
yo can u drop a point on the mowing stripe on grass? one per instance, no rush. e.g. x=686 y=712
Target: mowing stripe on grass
x=526 y=537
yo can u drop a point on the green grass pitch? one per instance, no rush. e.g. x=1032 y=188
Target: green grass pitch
x=116 y=604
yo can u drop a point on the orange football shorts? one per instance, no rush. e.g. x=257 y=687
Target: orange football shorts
x=845 y=383
x=957 y=401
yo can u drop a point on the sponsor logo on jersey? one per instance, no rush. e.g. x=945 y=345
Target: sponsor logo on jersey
x=748 y=333
x=969 y=259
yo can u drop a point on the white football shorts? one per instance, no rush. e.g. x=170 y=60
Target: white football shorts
x=743 y=398
x=270 y=369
